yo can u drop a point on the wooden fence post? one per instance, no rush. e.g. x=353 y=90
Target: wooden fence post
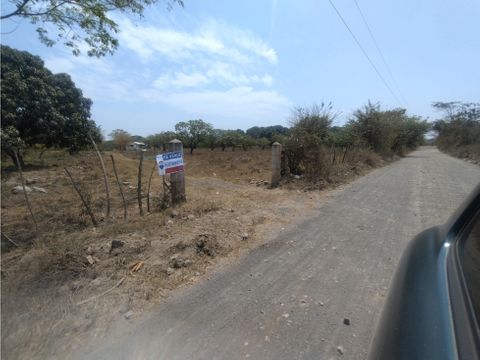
x=177 y=180
x=19 y=167
x=105 y=179
x=149 y=184
x=120 y=188
x=276 y=163
x=84 y=201
x=139 y=184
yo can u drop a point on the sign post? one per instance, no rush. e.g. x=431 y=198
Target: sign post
x=172 y=163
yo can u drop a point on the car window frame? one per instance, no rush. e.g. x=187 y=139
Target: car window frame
x=464 y=318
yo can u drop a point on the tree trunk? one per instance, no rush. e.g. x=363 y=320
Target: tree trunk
x=41 y=153
x=14 y=158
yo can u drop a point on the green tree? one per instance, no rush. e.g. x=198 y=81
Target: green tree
x=11 y=142
x=232 y=138
x=267 y=132
x=387 y=131
x=75 y=110
x=160 y=140
x=263 y=143
x=87 y=22
x=459 y=129
x=246 y=142
x=312 y=123
x=44 y=108
x=460 y=125
x=193 y=132
x=121 y=138
x=341 y=136
x=370 y=129
x=304 y=145
x=212 y=139
x=410 y=134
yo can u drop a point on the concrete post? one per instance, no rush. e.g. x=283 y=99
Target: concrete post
x=276 y=163
x=177 y=180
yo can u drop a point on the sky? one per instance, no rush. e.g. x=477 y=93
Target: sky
x=238 y=64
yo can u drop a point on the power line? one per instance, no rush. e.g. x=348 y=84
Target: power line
x=379 y=51
x=364 y=52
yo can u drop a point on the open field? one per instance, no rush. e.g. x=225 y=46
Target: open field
x=289 y=298
x=230 y=209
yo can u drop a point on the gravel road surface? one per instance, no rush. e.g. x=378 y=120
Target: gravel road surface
x=289 y=299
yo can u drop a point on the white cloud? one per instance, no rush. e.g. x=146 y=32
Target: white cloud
x=219 y=74
x=181 y=80
x=255 y=45
x=216 y=72
x=236 y=103
x=213 y=39
x=98 y=78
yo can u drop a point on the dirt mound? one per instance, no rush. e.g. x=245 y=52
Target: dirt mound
x=207 y=244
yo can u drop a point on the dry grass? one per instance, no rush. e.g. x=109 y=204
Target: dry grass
x=325 y=169
x=229 y=210
x=467 y=152
x=43 y=282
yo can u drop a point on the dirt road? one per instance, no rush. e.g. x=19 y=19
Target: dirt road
x=289 y=299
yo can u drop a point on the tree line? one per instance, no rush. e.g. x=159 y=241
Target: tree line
x=198 y=133
x=43 y=109
x=458 y=131
x=386 y=132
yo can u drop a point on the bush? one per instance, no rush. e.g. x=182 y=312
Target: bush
x=387 y=132
x=305 y=147
x=459 y=130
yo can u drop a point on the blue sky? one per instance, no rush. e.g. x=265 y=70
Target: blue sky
x=238 y=64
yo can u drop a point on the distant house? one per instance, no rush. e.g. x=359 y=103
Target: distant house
x=137 y=146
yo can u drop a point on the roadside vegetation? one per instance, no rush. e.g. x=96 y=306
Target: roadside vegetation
x=88 y=231
x=318 y=150
x=79 y=224
x=459 y=129
x=45 y=113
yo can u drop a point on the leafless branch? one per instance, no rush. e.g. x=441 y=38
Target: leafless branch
x=105 y=180
x=19 y=166
x=84 y=201
x=120 y=188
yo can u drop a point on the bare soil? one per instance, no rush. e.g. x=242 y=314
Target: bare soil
x=66 y=282
x=316 y=291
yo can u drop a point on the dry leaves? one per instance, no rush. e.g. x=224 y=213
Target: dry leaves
x=136 y=266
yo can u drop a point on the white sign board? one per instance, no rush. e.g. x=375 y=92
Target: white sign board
x=169 y=163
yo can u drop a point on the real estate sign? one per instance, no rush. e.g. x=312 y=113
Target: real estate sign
x=169 y=163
